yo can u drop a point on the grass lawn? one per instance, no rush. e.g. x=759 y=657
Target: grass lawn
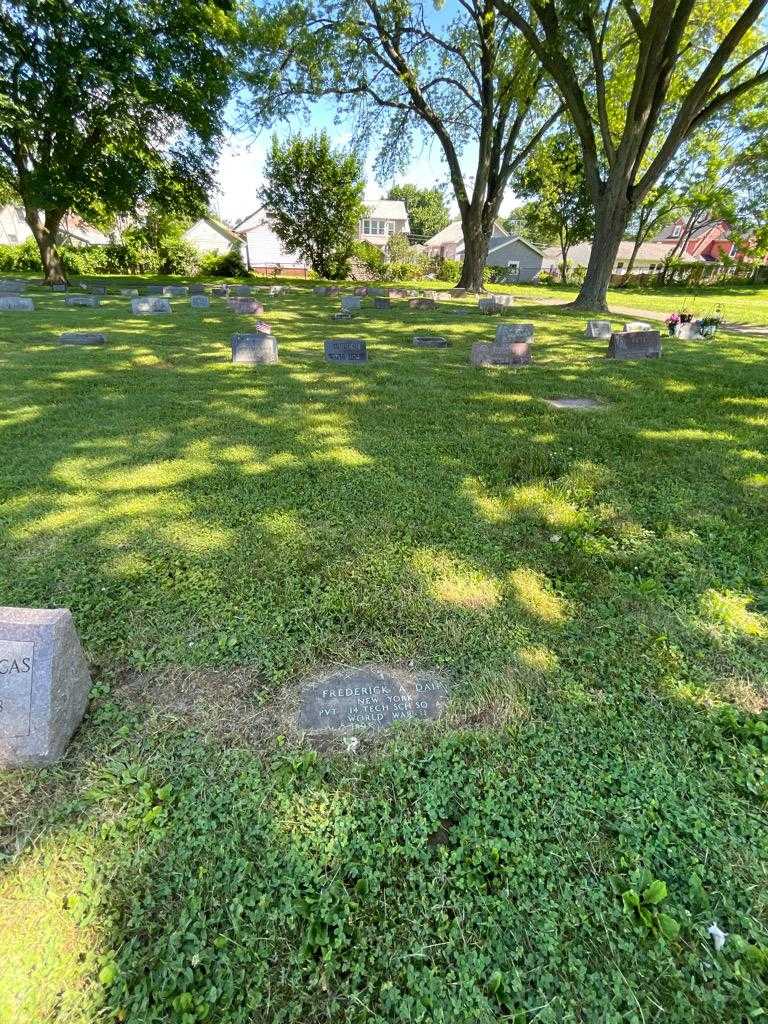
x=594 y=584
x=738 y=303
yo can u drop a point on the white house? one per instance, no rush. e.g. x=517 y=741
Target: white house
x=210 y=235
x=262 y=249
x=383 y=218
x=519 y=257
x=73 y=230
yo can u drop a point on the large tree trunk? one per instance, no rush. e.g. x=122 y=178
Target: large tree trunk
x=612 y=217
x=476 y=243
x=45 y=231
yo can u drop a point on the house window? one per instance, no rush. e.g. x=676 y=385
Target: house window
x=513 y=270
x=374 y=226
x=677 y=231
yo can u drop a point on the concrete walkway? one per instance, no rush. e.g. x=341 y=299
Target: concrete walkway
x=647 y=314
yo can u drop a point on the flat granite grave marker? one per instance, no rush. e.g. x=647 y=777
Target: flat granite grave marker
x=634 y=345
x=97 y=289
x=82 y=338
x=129 y=293
x=176 y=290
x=342 y=314
x=277 y=289
x=361 y=291
x=220 y=291
x=242 y=290
x=153 y=304
x=504 y=300
x=429 y=341
x=501 y=353
x=380 y=302
x=245 y=306
x=44 y=685
x=574 y=403
x=82 y=300
x=599 y=329
x=369 y=699
x=197 y=289
x=637 y=325
x=488 y=306
x=422 y=304
x=320 y=289
x=10 y=287
x=514 y=332
x=351 y=302
x=345 y=350
x=16 y=303
x=254 y=348
x=59 y=286
x=199 y=301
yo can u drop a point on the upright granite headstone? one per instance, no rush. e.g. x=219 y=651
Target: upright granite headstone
x=59 y=286
x=504 y=299
x=129 y=293
x=351 y=302
x=429 y=341
x=243 y=290
x=97 y=289
x=488 y=306
x=177 y=290
x=13 y=303
x=154 y=289
x=44 y=685
x=599 y=329
x=361 y=290
x=500 y=353
x=197 y=289
x=371 y=698
x=245 y=306
x=82 y=300
x=425 y=304
x=153 y=304
x=688 y=332
x=514 y=332
x=333 y=291
x=320 y=289
x=635 y=345
x=9 y=287
x=254 y=348
x=458 y=293
x=382 y=293
x=381 y=303
x=82 y=338
x=637 y=325
x=345 y=350
x=199 y=301
x=220 y=291
x=277 y=289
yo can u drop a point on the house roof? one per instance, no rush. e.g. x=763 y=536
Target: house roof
x=387 y=209
x=253 y=220
x=454 y=233
x=76 y=227
x=517 y=238
x=649 y=252
x=223 y=229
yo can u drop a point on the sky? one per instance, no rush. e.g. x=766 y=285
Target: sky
x=241 y=165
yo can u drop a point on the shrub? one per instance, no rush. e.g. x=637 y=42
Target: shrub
x=84 y=260
x=223 y=264
x=372 y=259
x=447 y=270
x=131 y=256
x=179 y=257
x=25 y=256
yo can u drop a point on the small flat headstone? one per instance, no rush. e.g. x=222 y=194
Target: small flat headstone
x=458 y=293
x=429 y=341
x=129 y=293
x=399 y=293
x=82 y=300
x=503 y=299
x=422 y=304
x=242 y=290
x=634 y=345
x=381 y=303
x=351 y=302
x=514 y=332
x=345 y=350
x=44 y=685
x=599 y=329
x=254 y=348
x=154 y=289
x=369 y=699
x=277 y=289
x=382 y=293
x=688 y=332
x=262 y=327
x=152 y=304
x=220 y=291
x=488 y=306
x=82 y=338
x=97 y=289
x=333 y=291
x=342 y=314
x=177 y=290
x=10 y=287
x=59 y=286
x=574 y=403
x=637 y=325
x=501 y=353
x=320 y=289
x=13 y=303
x=361 y=290
x=197 y=289
x=199 y=301
x=245 y=306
